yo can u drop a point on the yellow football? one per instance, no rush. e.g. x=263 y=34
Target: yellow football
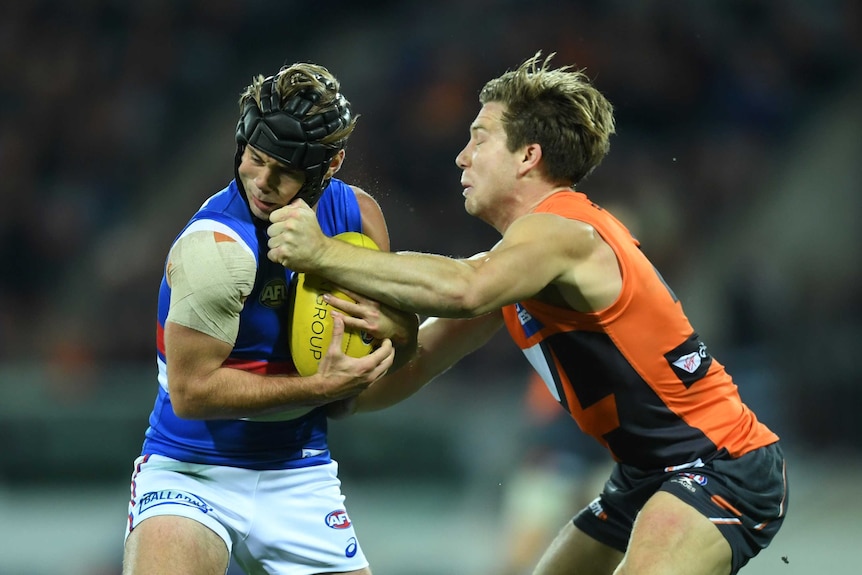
x=311 y=319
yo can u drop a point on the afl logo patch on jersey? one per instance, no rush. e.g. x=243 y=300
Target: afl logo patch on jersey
x=689 y=361
x=274 y=293
x=338 y=519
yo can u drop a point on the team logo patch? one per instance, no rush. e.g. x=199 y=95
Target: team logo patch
x=690 y=361
x=338 y=519
x=170 y=497
x=274 y=293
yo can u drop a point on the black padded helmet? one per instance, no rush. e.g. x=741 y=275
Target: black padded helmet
x=291 y=134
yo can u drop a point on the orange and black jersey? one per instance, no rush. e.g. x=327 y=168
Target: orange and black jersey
x=635 y=376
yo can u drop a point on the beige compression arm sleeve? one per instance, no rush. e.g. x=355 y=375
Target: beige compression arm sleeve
x=210 y=274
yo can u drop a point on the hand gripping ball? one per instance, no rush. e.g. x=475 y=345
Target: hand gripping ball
x=311 y=318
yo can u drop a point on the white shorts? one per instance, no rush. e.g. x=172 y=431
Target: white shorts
x=290 y=521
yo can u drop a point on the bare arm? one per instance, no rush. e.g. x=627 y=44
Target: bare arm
x=373 y=221
x=537 y=250
x=210 y=275
x=442 y=343
x=202 y=388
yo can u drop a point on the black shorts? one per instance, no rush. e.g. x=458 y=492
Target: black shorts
x=746 y=498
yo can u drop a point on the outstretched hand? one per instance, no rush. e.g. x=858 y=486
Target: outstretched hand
x=295 y=237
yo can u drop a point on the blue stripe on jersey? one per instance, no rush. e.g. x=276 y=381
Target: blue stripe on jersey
x=262 y=339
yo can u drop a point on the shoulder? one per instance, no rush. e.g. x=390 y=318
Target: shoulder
x=373 y=220
x=364 y=199
x=550 y=228
x=205 y=257
x=214 y=231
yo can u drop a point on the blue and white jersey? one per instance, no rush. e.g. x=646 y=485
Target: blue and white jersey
x=261 y=347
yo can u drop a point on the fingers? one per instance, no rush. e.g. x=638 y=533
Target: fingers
x=356 y=323
x=384 y=355
x=294 y=235
x=353 y=308
x=284 y=213
x=385 y=352
x=337 y=331
x=283 y=221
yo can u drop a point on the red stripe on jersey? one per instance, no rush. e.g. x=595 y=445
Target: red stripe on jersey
x=261 y=367
x=160 y=338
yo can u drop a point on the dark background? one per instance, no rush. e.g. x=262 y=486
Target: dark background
x=736 y=162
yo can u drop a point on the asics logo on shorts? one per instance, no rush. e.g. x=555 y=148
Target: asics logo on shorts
x=352 y=547
x=170 y=497
x=686 y=481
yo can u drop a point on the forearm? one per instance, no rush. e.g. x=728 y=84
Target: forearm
x=393 y=388
x=228 y=393
x=441 y=344
x=428 y=284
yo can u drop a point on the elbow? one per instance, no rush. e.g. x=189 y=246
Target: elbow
x=467 y=304
x=184 y=410
x=184 y=405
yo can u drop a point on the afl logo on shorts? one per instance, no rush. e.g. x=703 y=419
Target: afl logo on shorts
x=338 y=519
x=696 y=477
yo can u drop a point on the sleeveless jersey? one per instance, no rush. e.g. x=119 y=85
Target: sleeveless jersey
x=635 y=376
x=261 y=347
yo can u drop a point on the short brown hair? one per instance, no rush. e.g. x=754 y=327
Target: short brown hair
x=560 y=110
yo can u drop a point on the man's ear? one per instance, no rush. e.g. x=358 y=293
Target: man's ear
x=531 y=158
x=335 y=164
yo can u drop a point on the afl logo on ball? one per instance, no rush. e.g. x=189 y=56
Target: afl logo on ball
x=338 y=519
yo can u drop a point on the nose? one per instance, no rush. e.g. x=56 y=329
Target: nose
x=461 y=158
x=263 y=179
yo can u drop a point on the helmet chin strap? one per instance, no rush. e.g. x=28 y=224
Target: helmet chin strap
x=291 y=135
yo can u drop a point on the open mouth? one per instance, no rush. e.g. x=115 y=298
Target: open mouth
x=262 y=205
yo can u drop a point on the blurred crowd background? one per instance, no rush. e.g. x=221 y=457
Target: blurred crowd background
x=736 y=162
